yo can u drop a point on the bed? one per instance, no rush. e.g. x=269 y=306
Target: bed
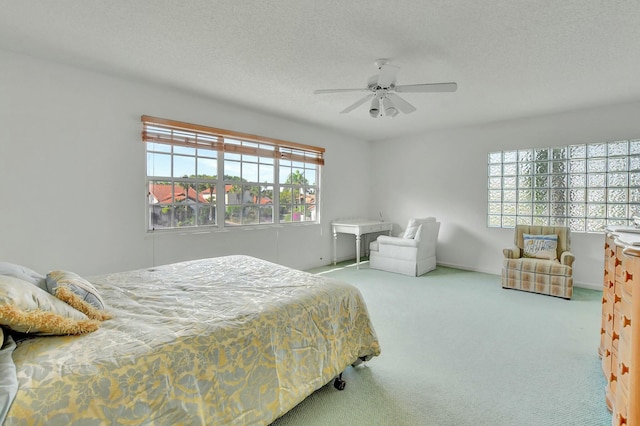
x=230 y=340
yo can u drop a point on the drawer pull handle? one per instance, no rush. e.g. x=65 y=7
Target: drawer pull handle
x=617 y=299
x=606 y=246
x=613 y=253
x=623 y=420
x=626 y=322
x=628 y=276
x=613 y=378
x=615 y=336
x=610 y=317
x=624 y=369
x=618 y=262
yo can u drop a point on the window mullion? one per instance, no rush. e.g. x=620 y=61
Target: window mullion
x=276 y=191
x=220 y=192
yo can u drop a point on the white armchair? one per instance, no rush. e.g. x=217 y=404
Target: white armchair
x=413 y=253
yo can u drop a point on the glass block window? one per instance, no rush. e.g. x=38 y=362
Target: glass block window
x=585 y=187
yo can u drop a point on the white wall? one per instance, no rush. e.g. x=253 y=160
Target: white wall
x=73 y=175
x=444 y=174
x=72 y=168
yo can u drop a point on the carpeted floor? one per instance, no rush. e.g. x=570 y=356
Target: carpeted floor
x=457 y=349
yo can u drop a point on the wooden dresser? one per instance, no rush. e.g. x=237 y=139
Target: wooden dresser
x=620 y=331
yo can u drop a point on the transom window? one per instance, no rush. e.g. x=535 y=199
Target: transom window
x=585 y=187
x=262 y=181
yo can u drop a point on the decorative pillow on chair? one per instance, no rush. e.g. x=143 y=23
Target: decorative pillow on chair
x=77 y=292
x=27 y=308
x=540 y=246
x=412 y=229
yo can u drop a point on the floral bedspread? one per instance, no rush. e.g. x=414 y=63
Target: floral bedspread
x=231 y=340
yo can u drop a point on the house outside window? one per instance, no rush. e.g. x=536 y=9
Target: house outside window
x=263 y=181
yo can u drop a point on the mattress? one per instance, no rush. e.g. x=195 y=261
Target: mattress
x=231 y=340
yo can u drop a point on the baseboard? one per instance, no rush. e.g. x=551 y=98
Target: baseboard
x=588 y=286
x=466 y=268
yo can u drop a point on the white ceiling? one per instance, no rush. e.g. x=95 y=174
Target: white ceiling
x=510 y=58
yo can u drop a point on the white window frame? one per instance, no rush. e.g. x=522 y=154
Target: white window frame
x=255 y=206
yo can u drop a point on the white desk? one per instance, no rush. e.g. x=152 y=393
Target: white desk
x=357 y=227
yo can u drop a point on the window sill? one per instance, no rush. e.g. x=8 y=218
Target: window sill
x=239 y=228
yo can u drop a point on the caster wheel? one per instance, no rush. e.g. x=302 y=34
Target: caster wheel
x=339 y=384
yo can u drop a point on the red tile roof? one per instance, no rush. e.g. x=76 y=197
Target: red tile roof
x=162 y=193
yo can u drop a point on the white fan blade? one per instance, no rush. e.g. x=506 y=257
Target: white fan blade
x=357 y=104
x=318 y=92
x=387 y=75
x=401 y=104
x=435 y=87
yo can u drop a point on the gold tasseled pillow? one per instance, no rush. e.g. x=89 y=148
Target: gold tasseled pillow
x=77 y=292
x=27 y=308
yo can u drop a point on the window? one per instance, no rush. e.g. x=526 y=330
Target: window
x=262 y=181
x=585 y=187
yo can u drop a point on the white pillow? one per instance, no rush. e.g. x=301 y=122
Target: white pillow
x=410 y=232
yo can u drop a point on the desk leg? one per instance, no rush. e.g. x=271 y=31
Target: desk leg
x=335 y=255
x=358 y=251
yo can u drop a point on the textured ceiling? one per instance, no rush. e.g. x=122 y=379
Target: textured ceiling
x=510 y=58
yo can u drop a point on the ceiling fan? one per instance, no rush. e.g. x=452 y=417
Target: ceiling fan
x=384 y=100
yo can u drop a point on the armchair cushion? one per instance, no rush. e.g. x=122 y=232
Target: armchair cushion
x=395 y=241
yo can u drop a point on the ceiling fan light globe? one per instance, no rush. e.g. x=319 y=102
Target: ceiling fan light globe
x=374 y=110
x=389 y=109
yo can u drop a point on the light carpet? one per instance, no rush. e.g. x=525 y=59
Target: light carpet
x=457 y=349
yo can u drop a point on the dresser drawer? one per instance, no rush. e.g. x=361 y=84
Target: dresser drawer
x=378 y=227
x=612 y=384
x=607 y=312
x=619 y=416
x=626 y=309
x=623 y=372
x=618 y=263
x=617 y=327
x=626 y=278
x=606 y=363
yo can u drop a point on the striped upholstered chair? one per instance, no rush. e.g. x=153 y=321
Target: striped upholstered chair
x=541 y=261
